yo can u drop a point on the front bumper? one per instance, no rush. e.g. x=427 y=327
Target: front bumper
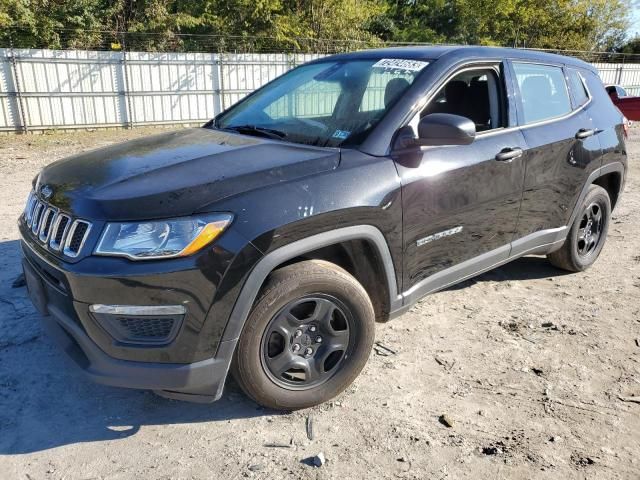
x=201 y=381
x=192 y=367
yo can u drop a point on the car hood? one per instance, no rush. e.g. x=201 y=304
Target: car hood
x=175 y=174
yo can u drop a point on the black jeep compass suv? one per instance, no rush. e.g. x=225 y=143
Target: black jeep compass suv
x=269 y=241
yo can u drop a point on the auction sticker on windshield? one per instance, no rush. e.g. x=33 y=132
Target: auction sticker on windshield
x=400 y=64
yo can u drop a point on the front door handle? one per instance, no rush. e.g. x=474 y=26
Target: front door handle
x=585 y=133
x=508 y=154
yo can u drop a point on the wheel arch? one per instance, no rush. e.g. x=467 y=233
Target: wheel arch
x=608 y=176
x=343 y=246
x=612 y=183
x=361 y=259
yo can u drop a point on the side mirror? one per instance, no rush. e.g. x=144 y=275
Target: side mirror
x=441 y=129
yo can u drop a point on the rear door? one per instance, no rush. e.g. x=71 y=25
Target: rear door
x=461 y=203
x=562 y=149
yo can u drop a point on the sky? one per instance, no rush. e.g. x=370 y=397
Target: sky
x=634 y=28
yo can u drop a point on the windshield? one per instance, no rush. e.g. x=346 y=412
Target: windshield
x=333 y=103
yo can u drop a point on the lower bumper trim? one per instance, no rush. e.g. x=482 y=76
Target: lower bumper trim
x=199 y=381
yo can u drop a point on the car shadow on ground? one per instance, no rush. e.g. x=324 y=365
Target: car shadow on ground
x=525 y=268
x=45 y=403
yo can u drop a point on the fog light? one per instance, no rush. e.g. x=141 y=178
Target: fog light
x=137 y=324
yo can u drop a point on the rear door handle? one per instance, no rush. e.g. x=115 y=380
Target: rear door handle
x=508 y=154
x=585 y=133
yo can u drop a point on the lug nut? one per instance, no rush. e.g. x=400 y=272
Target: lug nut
x=308 y=351
x=298 y=333
x=312 y=328
x=318 y=339
x=296 y=347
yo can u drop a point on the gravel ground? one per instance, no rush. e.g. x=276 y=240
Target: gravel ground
x=526 y=362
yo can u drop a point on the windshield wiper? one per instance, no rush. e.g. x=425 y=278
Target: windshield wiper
x=254 y=129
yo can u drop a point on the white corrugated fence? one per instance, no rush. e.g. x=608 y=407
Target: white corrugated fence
x=48 y=89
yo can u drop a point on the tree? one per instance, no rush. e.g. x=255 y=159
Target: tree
x=631 y=47
x=313 y=24
x=556 y=24
x=49 y=23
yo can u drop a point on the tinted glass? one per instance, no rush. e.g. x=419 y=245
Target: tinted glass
x=331 y=103
x=543 y=91
x=580 y=94
x=380 y=81
x=474 y=94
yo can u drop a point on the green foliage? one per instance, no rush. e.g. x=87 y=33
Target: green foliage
x=631 y=47
x=312 y=24
x=557 y=24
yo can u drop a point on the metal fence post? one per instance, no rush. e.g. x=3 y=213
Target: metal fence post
x=221 y=77
x=18 y=92
x=620 y=72
x=127 y=92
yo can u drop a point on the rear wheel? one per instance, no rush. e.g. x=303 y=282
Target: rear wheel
x=588 y=233
x=307 y=338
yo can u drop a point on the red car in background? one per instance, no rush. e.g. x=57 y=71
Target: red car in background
x=628 y=105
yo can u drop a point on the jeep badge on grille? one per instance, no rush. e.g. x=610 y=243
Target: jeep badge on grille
x=46 y=191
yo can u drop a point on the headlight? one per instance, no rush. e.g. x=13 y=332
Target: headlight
x=176 y=237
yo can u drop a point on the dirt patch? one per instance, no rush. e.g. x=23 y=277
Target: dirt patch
x=526 y=363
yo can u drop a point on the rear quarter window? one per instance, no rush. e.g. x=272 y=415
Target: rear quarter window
x=578 y=89
x=543 y=91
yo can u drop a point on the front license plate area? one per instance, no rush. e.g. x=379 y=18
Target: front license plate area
x=35 y=288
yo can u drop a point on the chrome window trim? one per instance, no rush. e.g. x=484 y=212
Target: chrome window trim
x=552 y=119
x=488 y=63
x=484 y=64
x=566 y=86
x=431 y=93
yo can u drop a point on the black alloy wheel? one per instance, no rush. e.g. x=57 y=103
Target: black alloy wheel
x=587 y=234
x=306 y=341
x=590 y=231
x=308 y=336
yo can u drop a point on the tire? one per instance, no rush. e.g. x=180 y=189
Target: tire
x=580 y=251
x=298 y=298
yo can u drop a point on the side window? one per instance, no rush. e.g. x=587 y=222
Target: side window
x=543 y=91
x=621 y=91
x=475 y=94
x=580 y=94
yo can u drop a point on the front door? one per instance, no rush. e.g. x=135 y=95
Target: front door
x=461 y=203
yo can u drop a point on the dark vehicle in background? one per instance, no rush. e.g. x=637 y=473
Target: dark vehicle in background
x=268 y=242
x=628 y=104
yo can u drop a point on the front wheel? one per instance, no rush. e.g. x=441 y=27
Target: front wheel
x=588 y=233
x=307 y=337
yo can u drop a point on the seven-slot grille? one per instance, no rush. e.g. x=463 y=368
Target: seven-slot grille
x=56 y=230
